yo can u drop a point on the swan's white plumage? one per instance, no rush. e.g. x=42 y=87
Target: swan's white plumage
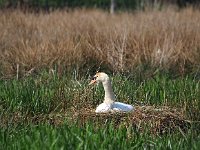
x=103 y=108
x=114 y=107
x=109 y=104
x=118 y=106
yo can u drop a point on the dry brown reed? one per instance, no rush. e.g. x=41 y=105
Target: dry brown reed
x=83 y=39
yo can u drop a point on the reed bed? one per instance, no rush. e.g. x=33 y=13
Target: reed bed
x=87 y=39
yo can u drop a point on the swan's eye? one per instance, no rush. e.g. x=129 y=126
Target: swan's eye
x=94 y=78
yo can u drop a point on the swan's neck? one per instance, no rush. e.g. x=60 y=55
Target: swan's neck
x=109 y=94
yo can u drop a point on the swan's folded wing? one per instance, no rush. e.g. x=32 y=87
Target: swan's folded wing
x=118 y=106
x=103 y=108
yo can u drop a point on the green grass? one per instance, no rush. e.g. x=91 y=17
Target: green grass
x=76 y=137
x=46 y=94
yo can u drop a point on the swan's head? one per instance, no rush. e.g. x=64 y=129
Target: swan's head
x=99 y=77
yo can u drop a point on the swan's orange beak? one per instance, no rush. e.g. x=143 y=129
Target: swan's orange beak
x=92 y=82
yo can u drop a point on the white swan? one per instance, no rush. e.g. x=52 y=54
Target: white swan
x=109 y=104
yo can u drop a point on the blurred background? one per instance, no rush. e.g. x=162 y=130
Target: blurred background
x=104 y=4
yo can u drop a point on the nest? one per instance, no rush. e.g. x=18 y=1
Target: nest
x=157 y=121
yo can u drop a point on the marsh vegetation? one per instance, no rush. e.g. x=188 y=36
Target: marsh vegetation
x=46 y=60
